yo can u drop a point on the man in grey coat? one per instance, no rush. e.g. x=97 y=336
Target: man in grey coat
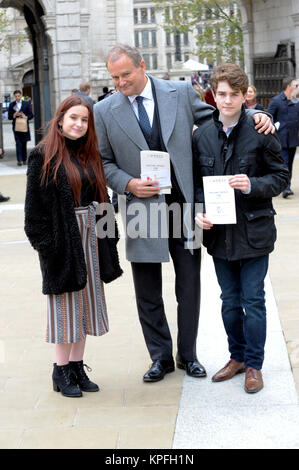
x=84 y=92
x=162 y=120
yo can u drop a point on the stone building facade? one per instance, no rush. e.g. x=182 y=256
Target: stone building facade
x=164 y=52
x=271 y=43
x=69 y=40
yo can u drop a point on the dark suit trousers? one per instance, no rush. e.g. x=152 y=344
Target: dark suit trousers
x=21 y=148
x=148 y=289
x=288 y=156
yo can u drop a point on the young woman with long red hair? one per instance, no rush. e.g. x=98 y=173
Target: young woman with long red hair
x=65 y=188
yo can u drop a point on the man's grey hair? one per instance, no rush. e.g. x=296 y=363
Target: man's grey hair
x=286 y=82
x=132 y=52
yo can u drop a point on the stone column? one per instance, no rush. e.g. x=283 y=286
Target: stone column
x=49 y=22
x=85 y=46
x=68 y=38
x=123 y=21
x=161 y=42
x=295 y=19
x=248 y=49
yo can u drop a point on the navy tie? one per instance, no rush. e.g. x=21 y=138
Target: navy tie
x=143 y=117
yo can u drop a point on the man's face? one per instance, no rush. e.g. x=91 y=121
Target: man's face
x=127 y=78
x=294 y=88
x=18 y=97
x=229 y=102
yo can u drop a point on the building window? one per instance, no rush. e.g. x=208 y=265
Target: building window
x=186 y=39
x=136 y=39
x=168 y=40
x=146 y=58
x=154 y=38
x=143 y=15
x=135 y=16
x=155 y=61
x=177 y=43
x=169 y=61
x=153 y=15
x=145 y=38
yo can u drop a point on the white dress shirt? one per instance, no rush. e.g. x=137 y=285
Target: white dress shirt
x=148 y=101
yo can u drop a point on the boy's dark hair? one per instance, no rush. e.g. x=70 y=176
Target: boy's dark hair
x=287 y=81
x=231 y=73
x=17 y=91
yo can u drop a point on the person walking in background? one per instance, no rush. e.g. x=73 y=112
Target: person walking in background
x=65 y=186
x=84 y=92
x=208 y=96
x=20 y=113
x=105 y=93
x=228 y=145
x=250 y=99
x=285 y=112
x=150 y=113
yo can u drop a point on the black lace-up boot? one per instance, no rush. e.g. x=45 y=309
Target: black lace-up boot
x=79 y=377
x=62 y=382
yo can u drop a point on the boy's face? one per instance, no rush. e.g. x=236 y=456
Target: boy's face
x=229 y=102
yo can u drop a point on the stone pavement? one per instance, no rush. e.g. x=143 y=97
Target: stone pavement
x=178 y=412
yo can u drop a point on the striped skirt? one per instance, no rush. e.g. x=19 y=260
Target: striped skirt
x=73 y=315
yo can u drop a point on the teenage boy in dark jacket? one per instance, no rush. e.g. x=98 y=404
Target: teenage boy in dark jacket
x=228 y=145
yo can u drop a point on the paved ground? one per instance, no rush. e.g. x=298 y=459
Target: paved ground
x=127 y=413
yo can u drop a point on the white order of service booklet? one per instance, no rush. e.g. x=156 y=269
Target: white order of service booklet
x=219 y=200
x=155 y=165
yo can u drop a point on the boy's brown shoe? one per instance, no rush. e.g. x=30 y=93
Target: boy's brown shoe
x=253 y=380
x=229 y=370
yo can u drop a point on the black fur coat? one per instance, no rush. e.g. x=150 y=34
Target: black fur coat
x=52 y=229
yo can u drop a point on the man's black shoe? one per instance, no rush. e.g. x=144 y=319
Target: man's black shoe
x=193 y=368
x=286 y=193
x=157 y=371
x=3 y=198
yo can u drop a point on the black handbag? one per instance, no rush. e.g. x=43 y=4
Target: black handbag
x=108 y=255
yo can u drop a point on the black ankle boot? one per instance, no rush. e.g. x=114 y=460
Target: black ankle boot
x=79 y=377
x=62 y=382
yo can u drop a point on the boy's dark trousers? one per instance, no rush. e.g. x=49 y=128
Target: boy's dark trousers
x=243 y=307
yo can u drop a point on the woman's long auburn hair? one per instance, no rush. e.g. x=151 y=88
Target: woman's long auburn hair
x=54 y=149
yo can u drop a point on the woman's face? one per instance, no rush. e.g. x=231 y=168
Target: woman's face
x=250 y=95
x=18 y=97
x=75 y=122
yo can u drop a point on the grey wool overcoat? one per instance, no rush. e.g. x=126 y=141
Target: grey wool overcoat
x=120 y=142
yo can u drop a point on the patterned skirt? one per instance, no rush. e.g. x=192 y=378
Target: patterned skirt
x=73 y=315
